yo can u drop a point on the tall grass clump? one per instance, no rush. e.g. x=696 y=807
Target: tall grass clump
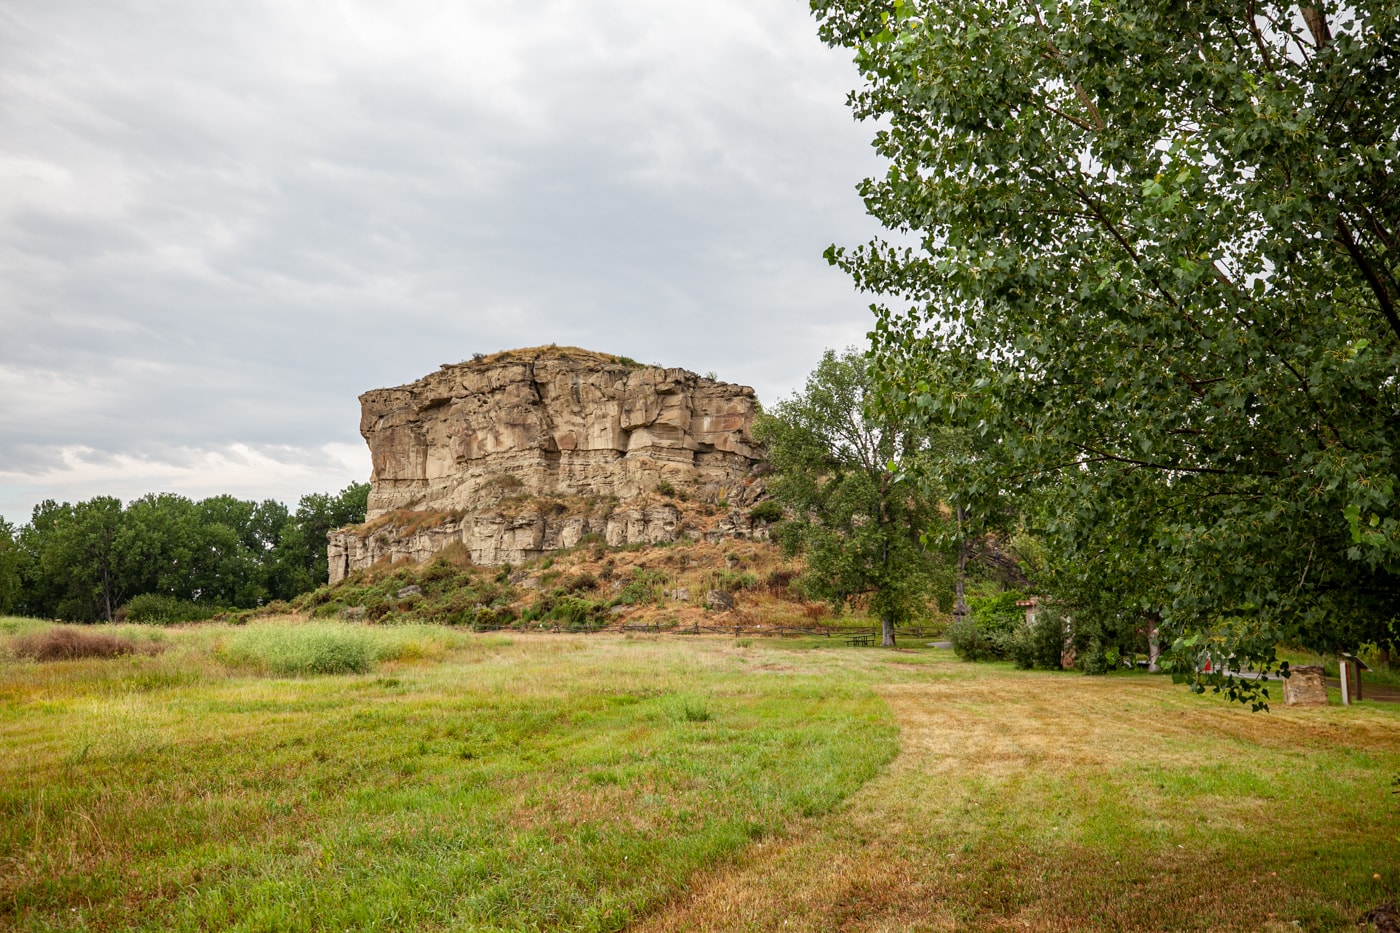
x=298 y=650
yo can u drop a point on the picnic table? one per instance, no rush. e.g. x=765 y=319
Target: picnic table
x=860 y=641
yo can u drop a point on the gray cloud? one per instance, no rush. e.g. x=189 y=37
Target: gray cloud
x=219 y=223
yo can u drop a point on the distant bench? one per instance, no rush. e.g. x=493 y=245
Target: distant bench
x=860 y=641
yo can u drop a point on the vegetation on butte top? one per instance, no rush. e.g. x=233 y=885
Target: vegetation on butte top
x=547 y=352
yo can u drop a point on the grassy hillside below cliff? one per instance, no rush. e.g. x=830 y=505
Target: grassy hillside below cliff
x=592 y=587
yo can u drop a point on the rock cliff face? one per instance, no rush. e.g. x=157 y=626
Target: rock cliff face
x=527 y=451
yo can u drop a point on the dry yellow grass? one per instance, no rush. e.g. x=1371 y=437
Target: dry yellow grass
x=1041 y=802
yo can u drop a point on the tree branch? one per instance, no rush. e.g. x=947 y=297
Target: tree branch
x=1101 y=456
x=1317 y=25
x=1249 y=15
x=1363 y=263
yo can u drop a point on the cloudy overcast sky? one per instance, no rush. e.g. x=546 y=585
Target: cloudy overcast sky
x=221 y=222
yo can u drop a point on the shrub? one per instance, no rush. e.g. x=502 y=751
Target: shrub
x=328 y=610
x=453 y=563
x=993 y=630
x=972 y=643
x=489 y=620
x=644 y=587
x=578 y=615
x=665 y=488
x=779 y=580
x=160 y=609
x=65 y=643
x=767 y=511
x=1020 y=647
x=580 y=581
x=1093 y=659
x=303 y=649
x=732 y=581
x=1042 y=644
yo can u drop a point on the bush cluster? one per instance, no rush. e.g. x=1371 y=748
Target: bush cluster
x=646 y=586
x=989 y=630
x=767 y=511
x=1041 y=645
x=575 y=613
x=996 y=630
x=161 y=609
x=450 y=592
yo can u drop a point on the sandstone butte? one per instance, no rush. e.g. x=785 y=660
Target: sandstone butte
x=524 y=452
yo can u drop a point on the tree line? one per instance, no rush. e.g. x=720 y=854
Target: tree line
x=85 y=561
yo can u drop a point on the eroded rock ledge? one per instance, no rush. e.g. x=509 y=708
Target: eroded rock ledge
x=527 y=451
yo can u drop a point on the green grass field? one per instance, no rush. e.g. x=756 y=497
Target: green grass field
x=216 y=778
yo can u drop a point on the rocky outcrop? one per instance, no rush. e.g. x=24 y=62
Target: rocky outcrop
x=527 y=451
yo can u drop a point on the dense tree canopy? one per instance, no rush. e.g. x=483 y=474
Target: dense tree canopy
x=1148 y=246
x=84 y=561
x=836 y=458
x=9 y=567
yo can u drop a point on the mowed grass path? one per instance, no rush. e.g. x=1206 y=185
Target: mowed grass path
x=599 y=782
x=1032 y=801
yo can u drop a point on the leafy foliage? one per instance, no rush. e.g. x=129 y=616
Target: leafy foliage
x=299 y=559
x=837 y=458
x=988 y=632
x=645 y=587
x=450 y=591
x=10 y=557
x=1147 y=250
x=767 y=511
x=162 y=609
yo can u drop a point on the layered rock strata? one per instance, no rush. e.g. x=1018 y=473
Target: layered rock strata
x=527 y=451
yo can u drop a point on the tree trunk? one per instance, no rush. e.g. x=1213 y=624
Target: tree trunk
x=106 y=593
x=960 y=600
x=1154 y=644
x=886 y=632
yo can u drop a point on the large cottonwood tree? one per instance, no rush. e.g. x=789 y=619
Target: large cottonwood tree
x=1155 y=239
x=838 y=458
